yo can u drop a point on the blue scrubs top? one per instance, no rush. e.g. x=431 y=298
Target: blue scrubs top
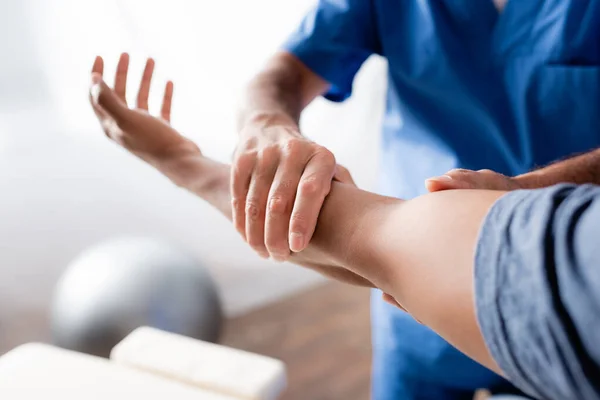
x=468 y=87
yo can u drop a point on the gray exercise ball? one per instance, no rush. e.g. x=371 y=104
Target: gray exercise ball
x=122 y=284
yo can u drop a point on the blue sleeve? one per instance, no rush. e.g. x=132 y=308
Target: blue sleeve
x=537 y=284
x=334 y=40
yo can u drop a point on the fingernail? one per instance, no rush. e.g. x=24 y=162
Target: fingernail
x=444 y=178
x=296 y=242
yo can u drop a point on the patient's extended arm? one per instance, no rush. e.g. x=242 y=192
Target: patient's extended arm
x=420 y=252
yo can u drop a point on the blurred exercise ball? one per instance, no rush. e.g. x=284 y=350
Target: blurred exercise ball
x=117 y=286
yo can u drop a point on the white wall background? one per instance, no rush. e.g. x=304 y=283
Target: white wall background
x=63 y=186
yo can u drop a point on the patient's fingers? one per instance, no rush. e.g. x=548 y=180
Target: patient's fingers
x=99 y=111
x=121 y=77
x=98 y=67
x=106 y=102
x=142 y=99
x=165 y=111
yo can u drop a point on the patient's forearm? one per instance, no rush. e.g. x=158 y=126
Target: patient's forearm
x=210 y=180
x=428 y=245
x=419 y=251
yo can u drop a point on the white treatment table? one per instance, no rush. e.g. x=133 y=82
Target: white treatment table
x=148 y=364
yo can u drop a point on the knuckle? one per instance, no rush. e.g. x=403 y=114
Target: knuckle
x=278 y=206
x=237 y=205
x=459 y=171
x=294 y=147
x=310 y=185
x=249 y=143
x=244 y=161
x=325 y=157
x=268 y=154
x=252 y=210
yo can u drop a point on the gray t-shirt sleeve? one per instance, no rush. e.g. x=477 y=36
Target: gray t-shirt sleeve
x=537 y=284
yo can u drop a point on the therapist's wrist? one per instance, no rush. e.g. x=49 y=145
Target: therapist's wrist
x=262 y=130
x=531 y=180
x=269 y=119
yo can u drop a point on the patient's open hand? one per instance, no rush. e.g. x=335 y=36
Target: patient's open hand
x=150 y=138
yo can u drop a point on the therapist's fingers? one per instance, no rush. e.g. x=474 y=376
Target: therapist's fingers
x=343 y=175
x=256 y=200
x=144 y=92
x=279 y=207
x=314 y=185
x=241 y=173
x=446 y=182
x=484 y=179
x=106 y=102
x=121 y=77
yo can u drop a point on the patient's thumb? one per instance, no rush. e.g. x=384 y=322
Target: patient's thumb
x=105 y=98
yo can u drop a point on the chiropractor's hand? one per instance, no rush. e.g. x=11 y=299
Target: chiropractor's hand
x=150 y=138
x=279 y=182
x=468 y=179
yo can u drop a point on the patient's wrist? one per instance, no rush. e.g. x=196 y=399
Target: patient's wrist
x=202 y=176
x=187 y=170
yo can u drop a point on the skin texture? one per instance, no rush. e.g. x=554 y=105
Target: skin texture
x=416 y=251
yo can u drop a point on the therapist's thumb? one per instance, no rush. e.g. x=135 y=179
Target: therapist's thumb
x=106 y=100
x=446 y=182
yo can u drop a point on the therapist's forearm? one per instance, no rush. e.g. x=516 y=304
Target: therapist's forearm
x=581 y=169
x=279 y=92
x=417 y=251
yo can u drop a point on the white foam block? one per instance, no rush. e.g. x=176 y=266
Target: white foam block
x=37 y=371
x=212 y=367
